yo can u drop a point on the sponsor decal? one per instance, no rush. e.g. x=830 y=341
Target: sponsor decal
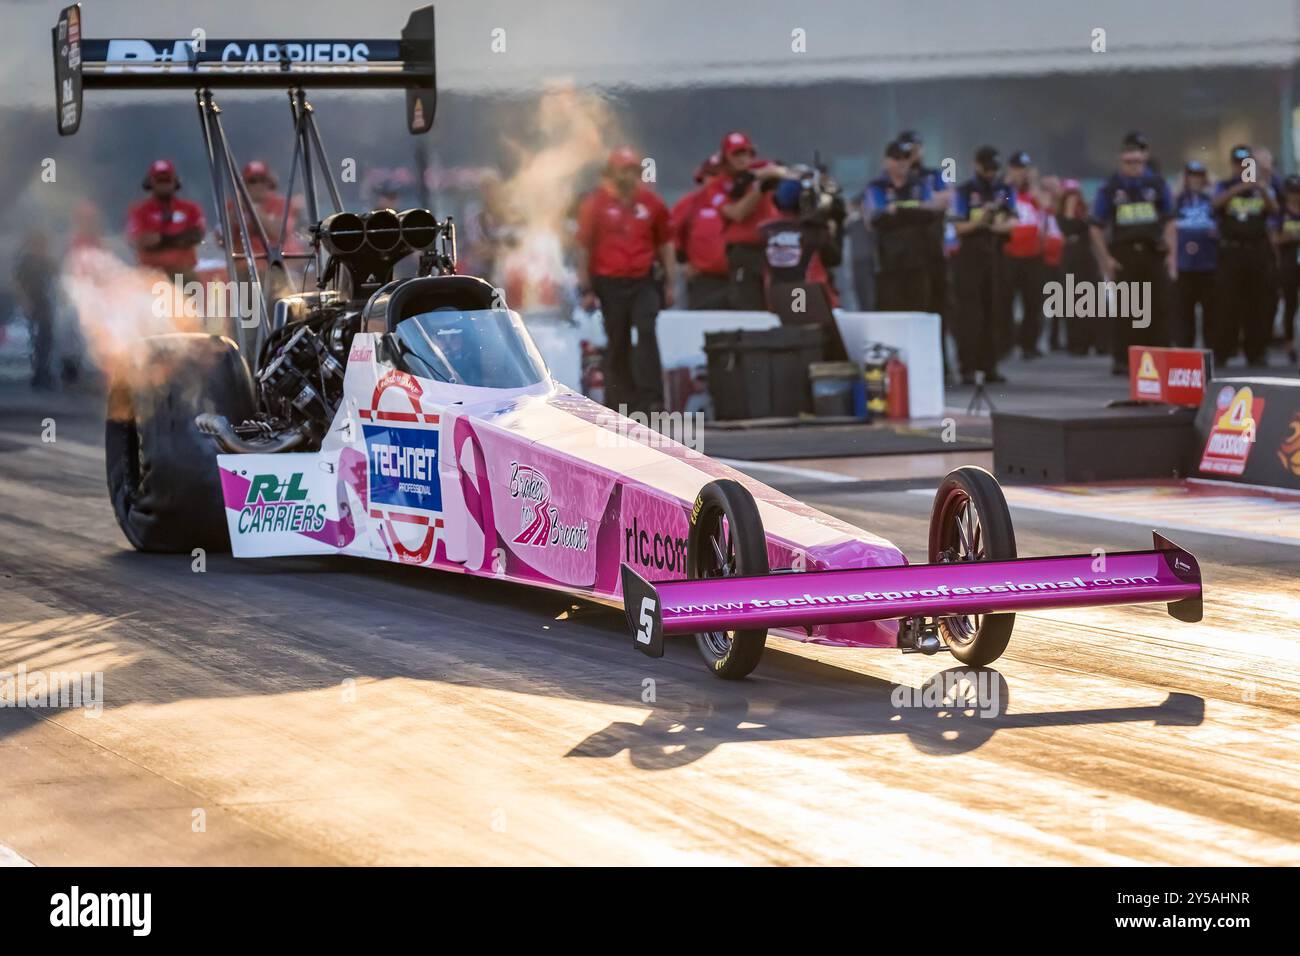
x=648 y=548
x=1172 y=376
x=276 y=504
x=1233 y=435
x=1288 y=452
x=540 y=522
x=1148 y=378
x=130 y=54
x=403 y=466
x=696 y=508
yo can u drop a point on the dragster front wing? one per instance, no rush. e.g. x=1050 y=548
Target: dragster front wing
x=801 y=599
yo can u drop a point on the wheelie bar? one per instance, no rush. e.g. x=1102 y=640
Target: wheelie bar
x=1166 y=573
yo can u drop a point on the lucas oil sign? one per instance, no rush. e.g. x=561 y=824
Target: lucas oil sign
x=403 y=467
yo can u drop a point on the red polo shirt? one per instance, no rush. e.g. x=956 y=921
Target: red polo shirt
x=697 y=227
x=1026 y=239
x=622 y=237
x=175 y=217
x=745 y=232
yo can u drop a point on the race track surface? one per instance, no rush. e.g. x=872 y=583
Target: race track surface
x=304 y=711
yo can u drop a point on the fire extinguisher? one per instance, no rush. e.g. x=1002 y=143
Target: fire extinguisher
x=593 y=372
x=896 y=387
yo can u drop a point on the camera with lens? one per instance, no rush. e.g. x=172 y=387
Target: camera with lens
x=820 y=199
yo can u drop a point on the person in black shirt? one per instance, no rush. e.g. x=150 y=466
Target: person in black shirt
x=983 y=213
x=940 y=197
x=1133 y=236
x=901 y=210
x=1077 y=259
x=1244 y=290
x=1288 y=254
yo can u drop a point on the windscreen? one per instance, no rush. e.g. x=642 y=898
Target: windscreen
x=486 y=348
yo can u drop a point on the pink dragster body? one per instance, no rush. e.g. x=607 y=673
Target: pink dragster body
x=538 y=486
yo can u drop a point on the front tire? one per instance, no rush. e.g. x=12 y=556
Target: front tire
x=970 y=521
x=163 y=478
x=727 y=540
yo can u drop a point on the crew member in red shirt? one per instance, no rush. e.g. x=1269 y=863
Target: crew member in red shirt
x=165 y=229
x=269 y=204
x=697 y=226
x=623 y=229
x=1024 y=252
x=747 y=184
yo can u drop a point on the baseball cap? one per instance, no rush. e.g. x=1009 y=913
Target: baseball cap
x=786 y=195
x=1135 y=140
x=988 y=156
x=899 y=149
x=910 y=136
x=1291 y=184
x=1239 y=152
x=621 y=157
x=255 y=169
x=735 y=142
x=1194 y=168
x=161 y=169
x=708 y=167
x=1020 y=159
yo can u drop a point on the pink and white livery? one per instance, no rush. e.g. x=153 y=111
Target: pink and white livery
x=413 y=421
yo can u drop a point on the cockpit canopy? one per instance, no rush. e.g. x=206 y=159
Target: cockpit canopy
x=484 y=348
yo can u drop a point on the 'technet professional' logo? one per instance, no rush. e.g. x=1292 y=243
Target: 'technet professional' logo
x=275 y=504
x=540 y=520
x=403 y=465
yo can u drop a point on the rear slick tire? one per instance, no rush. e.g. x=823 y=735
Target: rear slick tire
x=727 y=540
x=970 y=521
x=163 y=478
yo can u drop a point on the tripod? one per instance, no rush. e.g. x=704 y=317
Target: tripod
x=980 y=397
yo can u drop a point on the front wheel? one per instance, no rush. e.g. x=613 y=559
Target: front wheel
x=970 y=521
x=727 y=540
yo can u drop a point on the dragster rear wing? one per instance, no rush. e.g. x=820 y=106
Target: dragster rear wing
x=204 y=63
x=796 y=600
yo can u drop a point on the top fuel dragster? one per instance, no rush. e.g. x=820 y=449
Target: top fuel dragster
x=412 y=420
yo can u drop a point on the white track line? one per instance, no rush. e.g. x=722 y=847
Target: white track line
x=1147 y=521
x=9 y=858
x=811 y=473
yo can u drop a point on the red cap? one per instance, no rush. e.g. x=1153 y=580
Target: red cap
x=160 y=168
x=735 y=142
x=708 y=167
x=256 y=169
x=622 y=157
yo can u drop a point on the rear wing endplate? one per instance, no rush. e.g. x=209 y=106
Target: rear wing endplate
x=203 y=63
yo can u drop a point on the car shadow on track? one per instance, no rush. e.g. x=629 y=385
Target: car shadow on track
x=300 y=624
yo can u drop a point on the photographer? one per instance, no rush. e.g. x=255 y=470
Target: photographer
x=801 y=243
x=747 y=184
